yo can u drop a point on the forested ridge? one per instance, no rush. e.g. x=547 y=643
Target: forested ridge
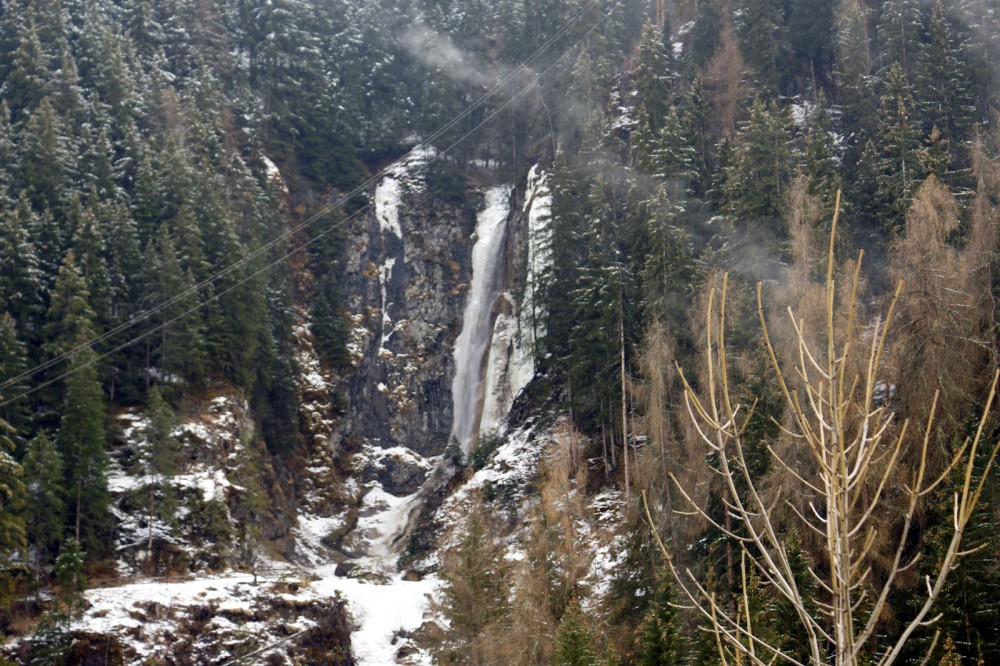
x=177 y=178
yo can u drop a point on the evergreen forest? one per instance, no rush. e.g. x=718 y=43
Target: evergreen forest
x=178 y=181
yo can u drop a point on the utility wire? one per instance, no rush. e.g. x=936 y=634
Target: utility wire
x=423 y=145
x=215 y=296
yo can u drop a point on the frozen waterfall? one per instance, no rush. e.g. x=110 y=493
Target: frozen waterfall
x=477 y=322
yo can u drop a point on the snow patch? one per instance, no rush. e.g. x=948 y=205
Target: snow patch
x=388 y=197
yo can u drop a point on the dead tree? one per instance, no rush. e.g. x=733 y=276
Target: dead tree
x=854 y=448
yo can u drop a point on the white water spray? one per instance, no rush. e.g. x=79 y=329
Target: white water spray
x=477 y=322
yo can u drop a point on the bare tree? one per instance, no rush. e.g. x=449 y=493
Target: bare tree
x=841 y=424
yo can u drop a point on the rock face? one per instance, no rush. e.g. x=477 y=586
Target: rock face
x=407 y=272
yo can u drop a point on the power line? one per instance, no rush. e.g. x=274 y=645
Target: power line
x=216 y=295
x=423 y=145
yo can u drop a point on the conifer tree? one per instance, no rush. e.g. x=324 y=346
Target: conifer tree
x=125 y=262
x=20 y=279
x=758 y=175
x=70 y=319
x=855 y=92
x=669 y=267
x=12 y=497
x=97 y=170
x=45 y=162
x=162 y=461
x=899 y=29
x=476 y=587
x=658 y=643
x=764 y=42
x=673 y=158
x=67 y=95
x=70 y=576
x=45 y=510
x=81 y=444
x=810 y=39
x=13 y=363
x=89 y=252
x=654 y=80
x=8 y=153
x=899 y=163
x=24 y=86
x=944 y=83
x=821 y=158
x=81 y=429
x=180 y=343
x=574 y=644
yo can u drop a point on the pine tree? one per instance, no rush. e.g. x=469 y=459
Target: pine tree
x=476 y=586
x=20 y=279
x=658 y=643
x=855 y=92
x=13 y=363
x=45 y=512
x=574 y=644
x=81 y=444
x=899 y=163
x=45 y=162
x=944 y=83
x=24 y=86
x=654 y=81
x=758 y=175
x=899 y=29
x=764 y=42
x=71 y=578
x=12 y=498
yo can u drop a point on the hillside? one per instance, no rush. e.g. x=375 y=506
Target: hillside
x=527 y=331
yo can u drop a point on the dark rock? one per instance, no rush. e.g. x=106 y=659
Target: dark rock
x=344 y=569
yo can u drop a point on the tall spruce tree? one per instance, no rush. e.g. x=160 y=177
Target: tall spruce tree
x=12 y=497
x=658 y=642
x=46 y=160
x=20 y=278
x=944 y=83
x=759 y=172
x=900 y=170
x=13 y=364
x=574 y=643
x=81 y=429
x=45 y=512
x=764 y=43
x=899 y=30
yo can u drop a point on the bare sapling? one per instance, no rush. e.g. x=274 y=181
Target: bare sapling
x=839 y=421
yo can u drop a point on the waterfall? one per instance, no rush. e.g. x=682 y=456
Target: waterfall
x=477 y=321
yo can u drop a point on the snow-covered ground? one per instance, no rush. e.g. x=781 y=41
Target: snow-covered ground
x=144 y=613
x=383 y=613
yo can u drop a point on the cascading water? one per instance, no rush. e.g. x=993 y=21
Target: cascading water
x=477 y=322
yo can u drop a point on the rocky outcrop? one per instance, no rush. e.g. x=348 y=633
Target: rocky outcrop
x=407 y=272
